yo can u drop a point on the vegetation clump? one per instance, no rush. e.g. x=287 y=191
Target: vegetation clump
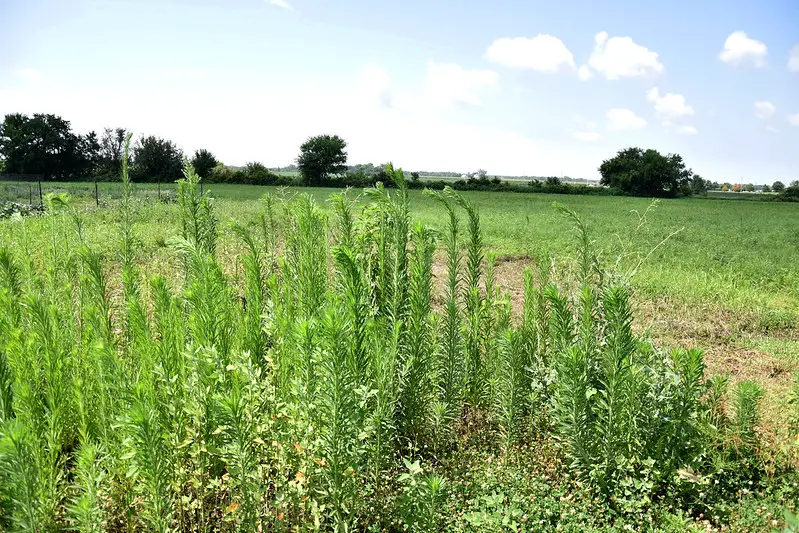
x=9 y=209
x=326 y=385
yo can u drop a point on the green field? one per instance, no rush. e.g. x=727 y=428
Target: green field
x=725 y=279
x=251 y=448
x=739 y=256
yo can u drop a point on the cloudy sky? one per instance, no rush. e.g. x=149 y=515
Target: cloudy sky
x=516 y=87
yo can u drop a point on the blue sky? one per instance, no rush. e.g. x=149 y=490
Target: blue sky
x=523 y=87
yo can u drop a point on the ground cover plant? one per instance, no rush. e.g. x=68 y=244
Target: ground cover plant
x=345 y=366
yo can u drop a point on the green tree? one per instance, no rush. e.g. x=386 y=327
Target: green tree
x=45 y=144
x=699 y=185
x=109 y=160
x=749 y=187
x=641 y=172
x=792 y=191
x=321 y=157
x=778 y=186
x=256 y=173
x=795 y=183
x=204 y=163
x=157 y=159
x=222 y=174
x=766 y=188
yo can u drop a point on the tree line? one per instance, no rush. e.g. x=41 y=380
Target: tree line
x=45 y=145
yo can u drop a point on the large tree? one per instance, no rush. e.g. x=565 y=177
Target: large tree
x=646 y=173
x=45 y=144
x=204 y=163
x=157 y=159
x=321 y=157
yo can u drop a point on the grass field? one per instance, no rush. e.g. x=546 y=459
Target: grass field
x=726 y=279
x=718 y=275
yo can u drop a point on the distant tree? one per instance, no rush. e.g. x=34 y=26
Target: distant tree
x=482 y=174
x=221 y=173
x=88 y=154
x=791 y=192
x=795 y=183
x=157 y=159
x=699 y=185
x=552 y=181
x=381 y=175
x=749 y=187
x=646 y=173
x=778 y=186
x=204 y=163
x=321 y=157
x=725 y=187
x=414 y=177
x=737 y=187
x=766 y=188
x=45 y=144
x=109 y=157
x=256 y=173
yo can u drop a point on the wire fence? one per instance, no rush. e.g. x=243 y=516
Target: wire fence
x=32 y=189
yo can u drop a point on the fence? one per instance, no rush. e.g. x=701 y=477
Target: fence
x=22 y=183
x=31 y=189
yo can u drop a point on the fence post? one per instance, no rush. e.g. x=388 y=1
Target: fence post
x=30 y=194
x=96 y=194
x=41 y=198
x=159 y=189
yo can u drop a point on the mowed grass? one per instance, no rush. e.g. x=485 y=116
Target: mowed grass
x=716 y=274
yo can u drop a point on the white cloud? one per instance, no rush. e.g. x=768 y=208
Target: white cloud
x=764 y=110
x=772 y=129
x=793 y=59
x=281 y=4
x=669 y=106
x=624 y=119
x=584 y=73
x=448 y=83
x=794 y=119
x=621 y=57
x=543 y=53
x=587 y=136
x=740 y=49
x=30 y=75
x=672 y=110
